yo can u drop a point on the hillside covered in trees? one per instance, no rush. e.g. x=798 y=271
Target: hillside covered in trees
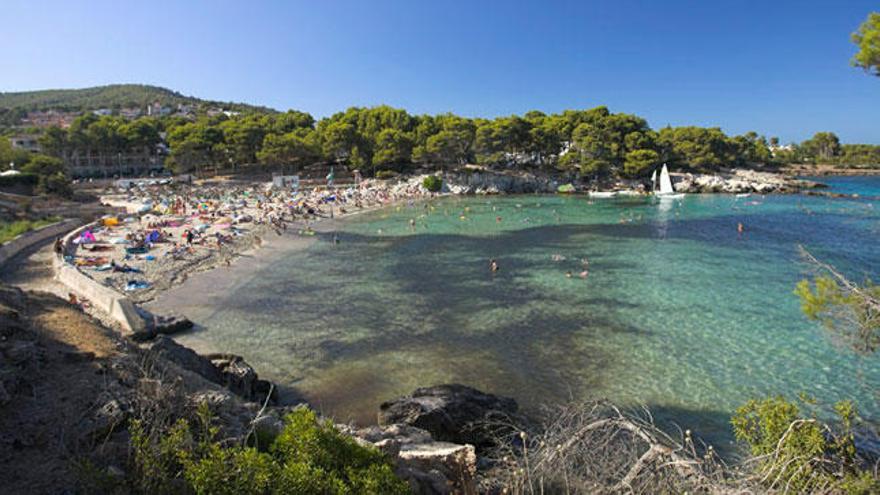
x=15 y=105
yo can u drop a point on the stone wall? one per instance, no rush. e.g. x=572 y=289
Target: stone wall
x=108 y=300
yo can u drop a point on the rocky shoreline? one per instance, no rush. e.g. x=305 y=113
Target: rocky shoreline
x=740 y=181
x=734 y=181
x=116 y=380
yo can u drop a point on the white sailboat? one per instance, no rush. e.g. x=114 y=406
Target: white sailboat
x=666 y=190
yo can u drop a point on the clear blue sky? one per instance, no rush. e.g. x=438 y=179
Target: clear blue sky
x=777 y=67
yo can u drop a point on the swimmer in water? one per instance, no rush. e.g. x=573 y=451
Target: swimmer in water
x=740 y=228
x=498 y=219
x=583 y=274
x=493 y=265
x=568 y=274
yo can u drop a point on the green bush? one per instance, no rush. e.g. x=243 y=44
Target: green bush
x=309 y=456
x=9 y=231
x=386 y=174
x=18 y=179
x=432 y=183
x=803 y=454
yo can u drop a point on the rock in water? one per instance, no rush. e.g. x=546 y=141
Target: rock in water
x=240 y=377
x=452 y=413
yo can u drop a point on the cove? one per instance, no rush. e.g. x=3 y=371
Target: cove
x=679 y=312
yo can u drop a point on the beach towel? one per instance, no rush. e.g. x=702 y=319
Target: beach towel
x=87 y=236
x=136 y=285
x=137 y=250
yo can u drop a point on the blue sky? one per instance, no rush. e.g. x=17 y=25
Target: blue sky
x=777 y=67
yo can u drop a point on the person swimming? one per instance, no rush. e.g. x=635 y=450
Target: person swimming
x=493 y=265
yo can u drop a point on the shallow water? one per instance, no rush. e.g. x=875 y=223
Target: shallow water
x=678 y=312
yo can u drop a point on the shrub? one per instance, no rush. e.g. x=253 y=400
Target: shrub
x=309 y=456
x=386 y=174
x=18 y=179
x=9 y=231
x=801 y=454
x=432 y=183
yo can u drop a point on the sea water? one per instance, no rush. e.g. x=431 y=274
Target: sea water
x=679 y=311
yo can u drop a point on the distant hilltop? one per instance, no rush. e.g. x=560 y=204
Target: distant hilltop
x=132 y=99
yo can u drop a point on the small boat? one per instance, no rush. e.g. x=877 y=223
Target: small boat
x=743 y=195
x=665 y=190
x=603 y=194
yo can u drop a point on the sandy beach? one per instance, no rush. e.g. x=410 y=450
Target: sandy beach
x=173 y=231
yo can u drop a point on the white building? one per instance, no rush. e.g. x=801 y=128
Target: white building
x=25 y=142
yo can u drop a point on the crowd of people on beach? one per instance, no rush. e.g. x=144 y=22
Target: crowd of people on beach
x=172 y=229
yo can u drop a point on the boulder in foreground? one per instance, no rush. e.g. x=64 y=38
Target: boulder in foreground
x=452 y=413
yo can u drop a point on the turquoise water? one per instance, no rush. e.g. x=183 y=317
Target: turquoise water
x=679 y=311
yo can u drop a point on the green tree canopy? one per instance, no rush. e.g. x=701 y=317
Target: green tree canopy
x=867 y=38
x=295 y=148
x=393 y=147
x=697 y=147
x=823 y=146
x=639 y=162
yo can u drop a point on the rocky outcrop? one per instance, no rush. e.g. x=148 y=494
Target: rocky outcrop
x=186 y=358
x=160 y=325
x=223 y=369
x=240 y=377
x=739 y=181
x=430 y=466
x=454 y=413
x=488 y=182
x=484 y=182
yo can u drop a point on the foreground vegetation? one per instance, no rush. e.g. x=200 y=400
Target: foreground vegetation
x=11 y=230
x=308 y=456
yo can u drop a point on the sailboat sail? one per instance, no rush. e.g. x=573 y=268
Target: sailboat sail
x=665 y=181
x=653 y=180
